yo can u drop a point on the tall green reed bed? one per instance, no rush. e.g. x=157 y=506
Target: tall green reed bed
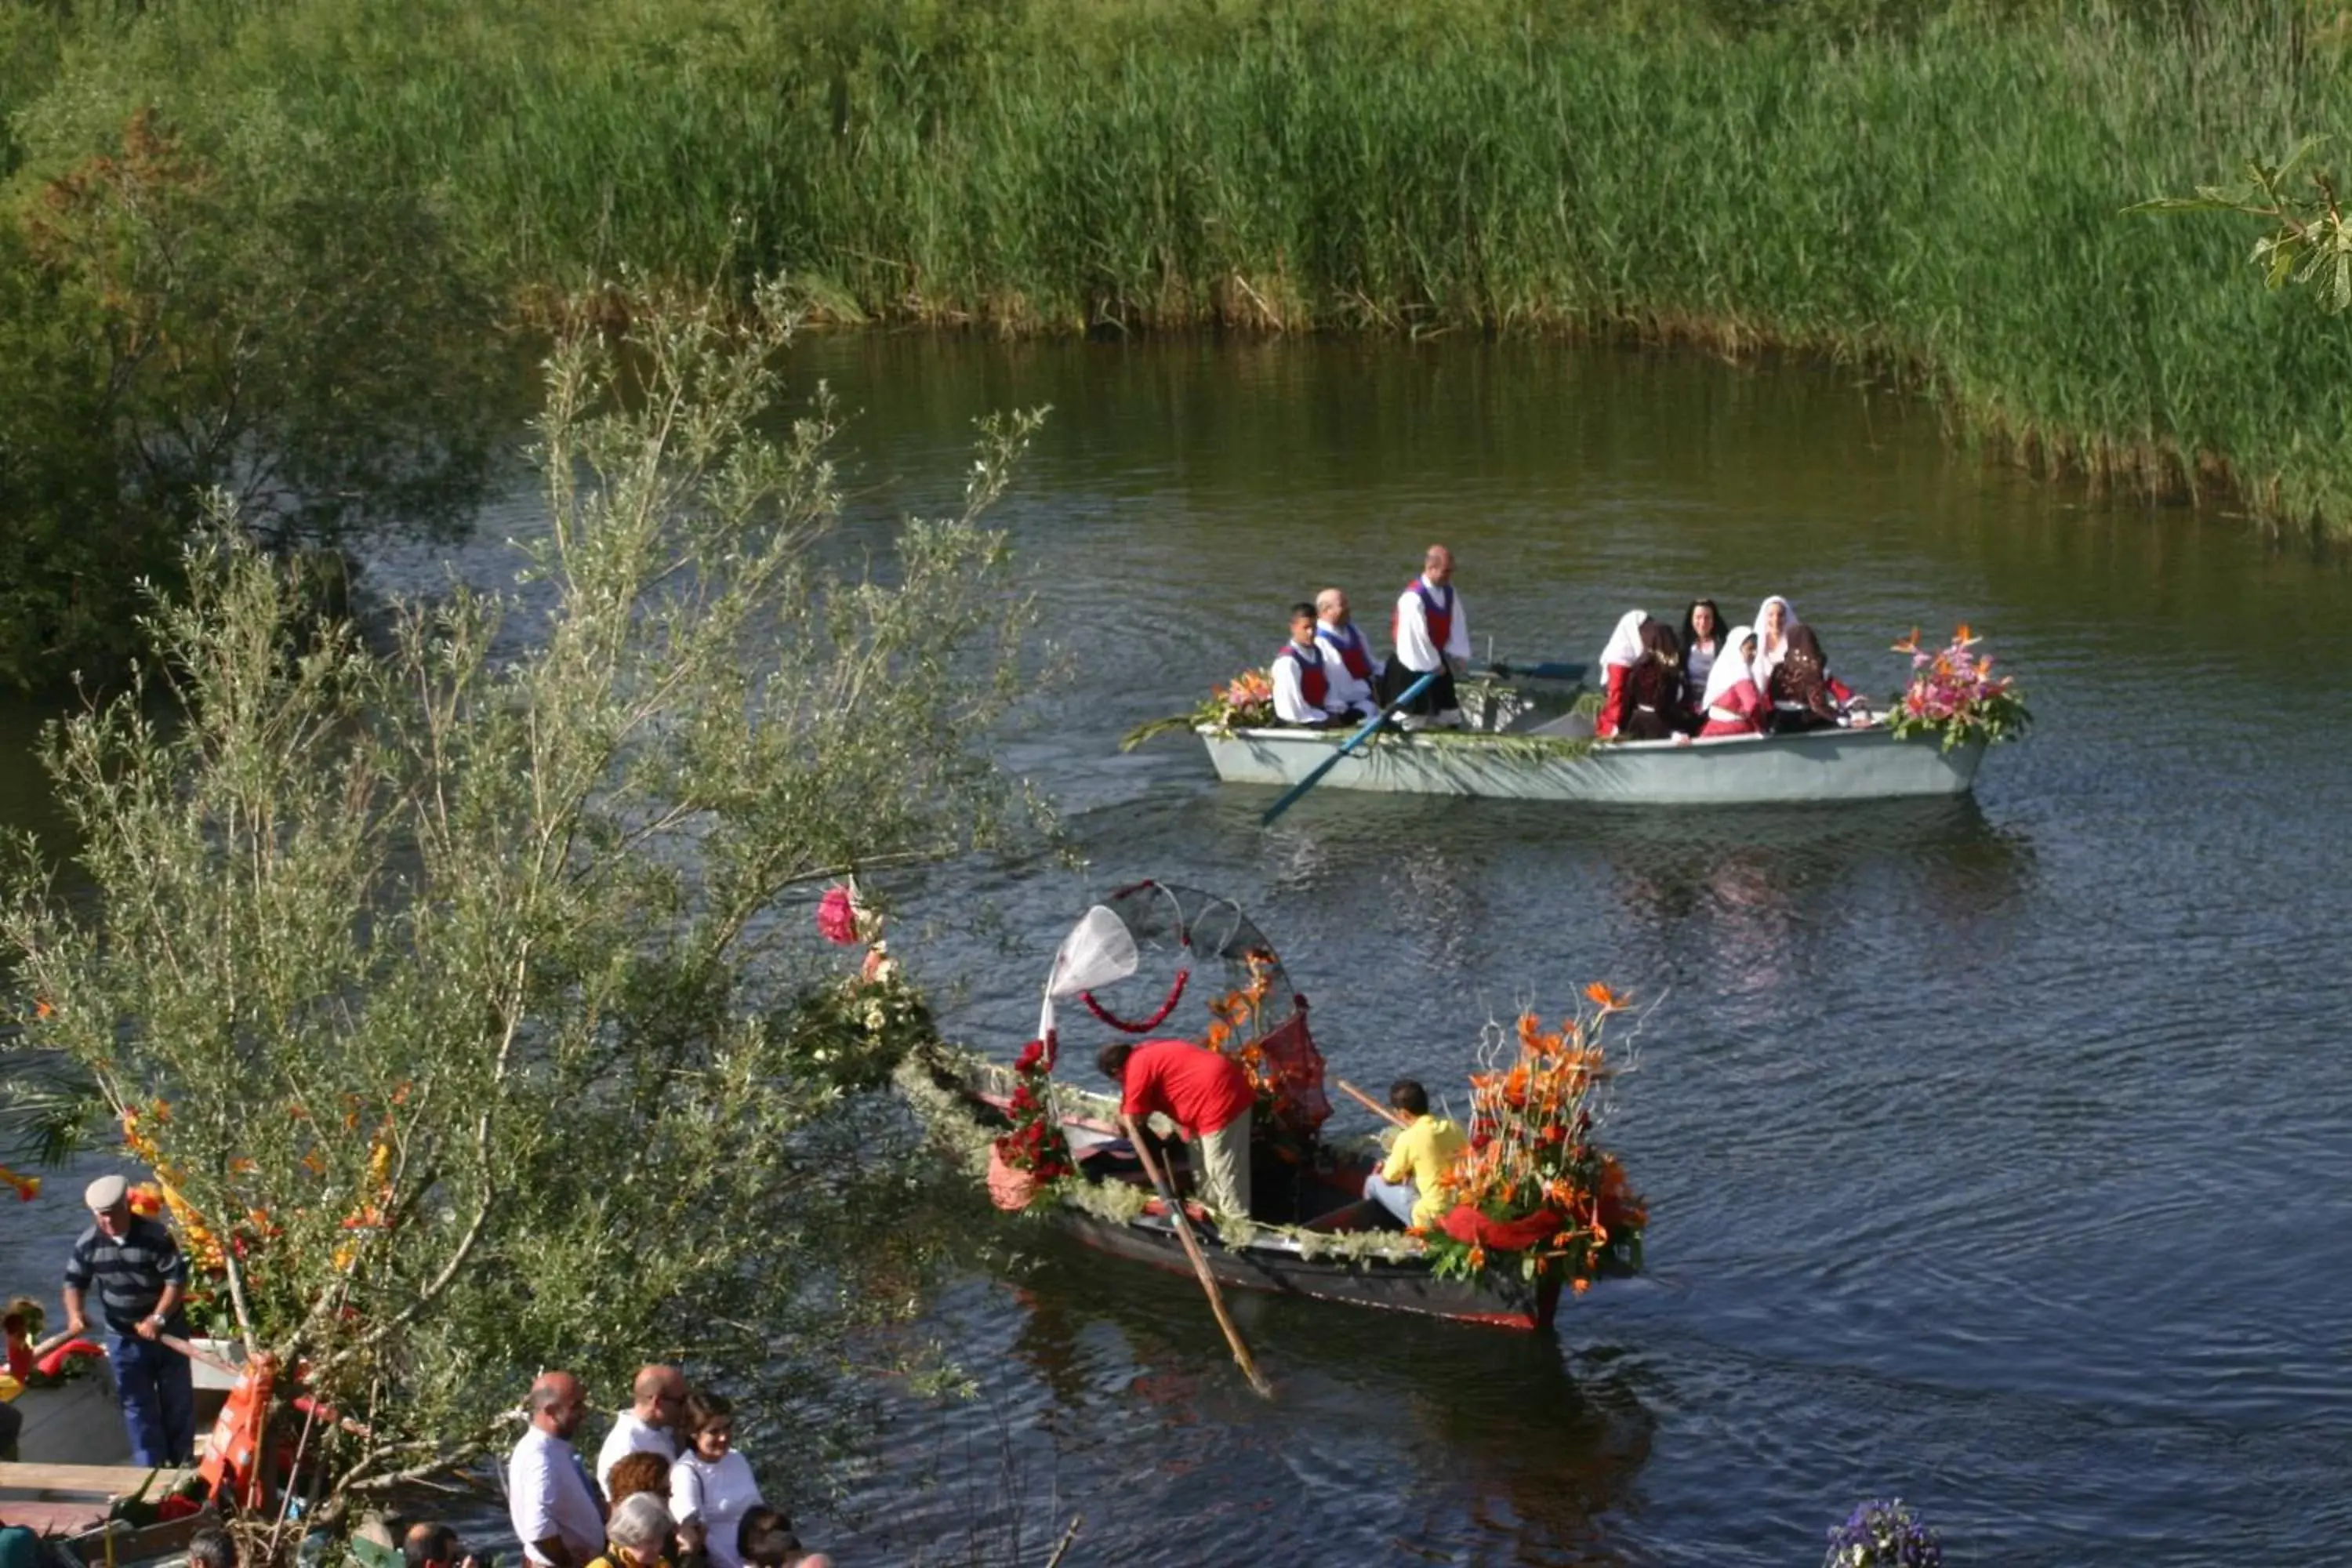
x=1932 y=188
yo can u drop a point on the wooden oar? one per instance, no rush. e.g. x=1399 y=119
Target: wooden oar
x=1192 y=1251
x=1394 y=1118
x=1346 y=748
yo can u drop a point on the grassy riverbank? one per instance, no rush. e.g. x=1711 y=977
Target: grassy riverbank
x=1936 y=189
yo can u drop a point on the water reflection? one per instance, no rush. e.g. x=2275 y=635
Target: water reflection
x=1487 y=1430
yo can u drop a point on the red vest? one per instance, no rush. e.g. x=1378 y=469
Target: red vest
x=1313 y=684
x=1440 y=620
x=1349 y=647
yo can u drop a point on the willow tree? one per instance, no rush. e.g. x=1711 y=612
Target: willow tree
x=451 y=977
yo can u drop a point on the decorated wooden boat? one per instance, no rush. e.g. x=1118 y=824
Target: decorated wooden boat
x=1329 y=1246
x=1311 y=1233
x=1732 y=770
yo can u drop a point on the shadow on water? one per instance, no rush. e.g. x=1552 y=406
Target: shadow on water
x=1386 y=1429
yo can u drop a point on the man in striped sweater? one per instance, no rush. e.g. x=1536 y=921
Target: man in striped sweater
x=140 y=1276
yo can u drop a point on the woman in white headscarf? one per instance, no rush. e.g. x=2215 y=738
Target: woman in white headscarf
x=1733 y=704
x=1773 y=618
x=1617 y=660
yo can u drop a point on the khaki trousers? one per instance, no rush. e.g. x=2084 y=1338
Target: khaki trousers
x=1222 y=1160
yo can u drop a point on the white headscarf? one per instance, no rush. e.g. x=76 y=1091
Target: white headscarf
x=1731 y=668
x=1768 y=658
x=1625 y=642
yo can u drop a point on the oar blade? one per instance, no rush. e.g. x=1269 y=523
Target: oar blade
x=1346 y=748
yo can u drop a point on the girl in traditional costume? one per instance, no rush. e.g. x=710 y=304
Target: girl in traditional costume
x=1732 y=705
x=1653 y=687
x=1773 y=618
x=1617 y=662
x=1803 y=693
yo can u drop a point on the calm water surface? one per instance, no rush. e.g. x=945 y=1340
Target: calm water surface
x=1996 y=1149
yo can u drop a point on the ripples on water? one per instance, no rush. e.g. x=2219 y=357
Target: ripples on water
x=1996 y=1149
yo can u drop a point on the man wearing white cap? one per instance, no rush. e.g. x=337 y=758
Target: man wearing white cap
x=140 y=1276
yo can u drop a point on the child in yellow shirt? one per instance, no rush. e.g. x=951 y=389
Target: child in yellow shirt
x=1411 y=1184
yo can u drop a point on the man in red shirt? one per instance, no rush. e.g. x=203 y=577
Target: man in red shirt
x=1207 y=1095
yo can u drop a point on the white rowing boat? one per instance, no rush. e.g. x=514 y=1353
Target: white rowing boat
x=1732 y=770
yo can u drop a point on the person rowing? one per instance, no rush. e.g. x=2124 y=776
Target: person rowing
x=1209 y=1098
x=1432 y=631
x=1412 y=1183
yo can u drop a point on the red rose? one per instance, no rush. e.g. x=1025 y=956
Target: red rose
x=836 y=918
x=1031 y=1055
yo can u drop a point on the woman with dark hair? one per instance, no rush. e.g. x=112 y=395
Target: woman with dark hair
x=1701 y=640
x=711 y=1486
x=1804 y=694
x=1653 y=687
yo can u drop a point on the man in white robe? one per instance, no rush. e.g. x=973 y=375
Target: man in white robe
x=1348 y=661
x=1433 y=633
x=1302 y=678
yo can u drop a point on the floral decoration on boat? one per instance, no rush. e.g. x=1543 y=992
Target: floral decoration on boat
x=1032 y=1153
x=1533 y=1193
x=1284 y=1067
x=1955 y=695
x=1244 y=702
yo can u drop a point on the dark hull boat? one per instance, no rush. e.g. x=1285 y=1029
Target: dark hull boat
x=1315 y=1236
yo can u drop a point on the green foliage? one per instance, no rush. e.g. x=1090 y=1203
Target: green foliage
x=450 y=983
x=2309 y=241
x=1930 y=186
x=176 y=321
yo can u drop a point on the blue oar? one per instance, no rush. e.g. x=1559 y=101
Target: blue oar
x=1348 y=746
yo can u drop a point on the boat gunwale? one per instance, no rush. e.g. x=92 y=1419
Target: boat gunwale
x=1584 y=749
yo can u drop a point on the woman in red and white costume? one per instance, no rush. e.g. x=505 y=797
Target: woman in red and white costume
x=1732 y=706
x=1624 y=647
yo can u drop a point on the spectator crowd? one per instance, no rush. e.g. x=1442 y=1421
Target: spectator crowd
x=668 y=1489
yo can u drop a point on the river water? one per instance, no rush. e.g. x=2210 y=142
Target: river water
x=1995 y=1149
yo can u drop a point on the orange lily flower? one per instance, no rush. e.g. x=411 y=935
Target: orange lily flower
x=1608 y=1001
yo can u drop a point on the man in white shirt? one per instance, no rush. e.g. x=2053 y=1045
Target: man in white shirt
x=1348 y=661
x=1432 y=632
x=648 y=1426
x=1302 y=680
x=549 y=1495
